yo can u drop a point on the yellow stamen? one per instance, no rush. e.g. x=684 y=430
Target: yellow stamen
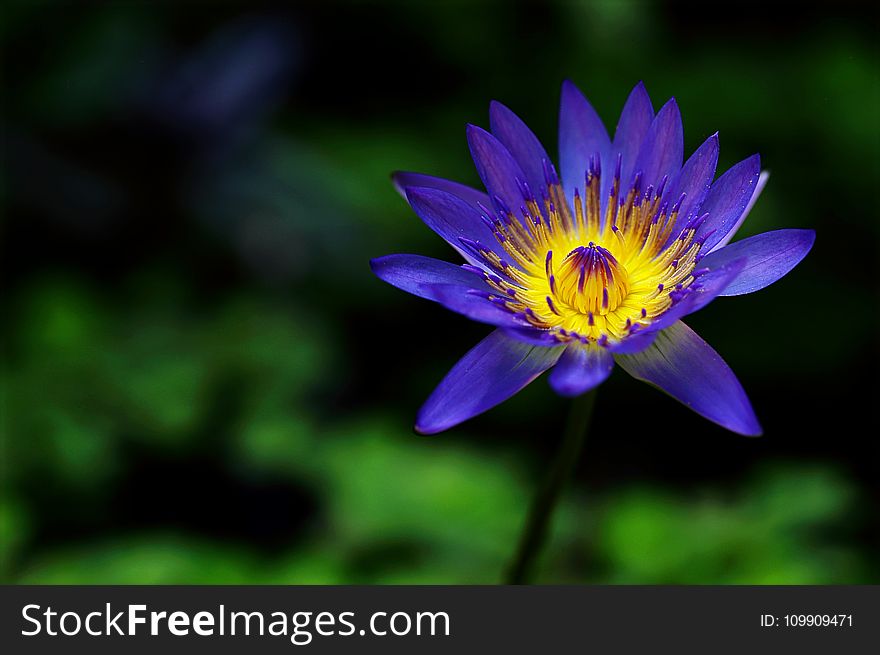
x=593 y=279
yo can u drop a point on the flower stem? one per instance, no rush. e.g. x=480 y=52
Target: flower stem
x=535 y=532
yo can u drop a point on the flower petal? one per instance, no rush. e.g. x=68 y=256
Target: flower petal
x=762 y=182
x=473 y=304
x=634 y=343
x=728 y=199
x=768 y=257
x=581 y=136
x=497 y=168
x=663 y=148
x=712 y=285
x=632 y=128
x=680 y=363
x=522 y=143
x=533 y=336
x=474 y=197
x=412 y=273
x=580 y=369
x=494 y=370
x=694 y=180
x=453 y=219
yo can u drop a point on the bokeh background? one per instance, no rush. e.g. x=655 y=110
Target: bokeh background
x=203 y=382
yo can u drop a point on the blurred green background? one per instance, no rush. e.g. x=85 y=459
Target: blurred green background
x=203 y=383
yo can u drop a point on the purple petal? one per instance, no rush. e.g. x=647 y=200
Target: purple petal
x=663 y=148
x=683 y=365
x=695 y=179
x=581 y=136
x=712 y=285
x=580 y=369
x=768 y=257
x=472 y=304
x=472 y=196
x=521 y=142
x=762 y=182
x=453 y=219
x=497 y=168
x=413 y=272
x=494 y=370
x=533 y=336
x=632 y=128
x=728 y=199
x=634 y=343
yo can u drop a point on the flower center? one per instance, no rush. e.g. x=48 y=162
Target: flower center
x=595 y=293
x=590 y=280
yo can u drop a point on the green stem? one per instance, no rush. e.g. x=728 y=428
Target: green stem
x=544 y=504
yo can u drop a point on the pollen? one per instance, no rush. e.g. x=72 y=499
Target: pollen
x=586 y=270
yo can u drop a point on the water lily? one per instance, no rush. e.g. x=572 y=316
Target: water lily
x=593 y=265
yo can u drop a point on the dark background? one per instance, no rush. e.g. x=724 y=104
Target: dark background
x=203 y=382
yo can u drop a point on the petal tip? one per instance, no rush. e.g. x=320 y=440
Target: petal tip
x=425 y=194
x=414 y=193
x=569 y=89
x=751 y=428
x=809 y=240
x=498 y=113
x=425 y=425
x=470 y=128
x=476 y=136
x=569 y=391
x=670 y=105
x=397 y=182
x=426 y=430
x=808 y=236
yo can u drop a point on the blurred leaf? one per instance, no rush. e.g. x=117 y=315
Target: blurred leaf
x=153 y=559
x=772 y=534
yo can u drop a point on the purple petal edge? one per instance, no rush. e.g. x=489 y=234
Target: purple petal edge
x=632 y=128
x=522 y=143
x=694 y=180
x=580 y=368
x=490 y=373
x=634 y=343
x=414 y=274
x=453 y=219
x=472 y=196
x=759 y=187
x=712 y=284
x=581 y=135
x=684 y=366
x=533 y=336
x=662 y=151
x=768 y=257
x=498 y=170
x=472 y=304
x=727 y=200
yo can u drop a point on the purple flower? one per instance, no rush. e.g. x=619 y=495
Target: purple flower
x=596 y=266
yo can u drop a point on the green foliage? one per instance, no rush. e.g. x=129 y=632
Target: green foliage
x=772 y=532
